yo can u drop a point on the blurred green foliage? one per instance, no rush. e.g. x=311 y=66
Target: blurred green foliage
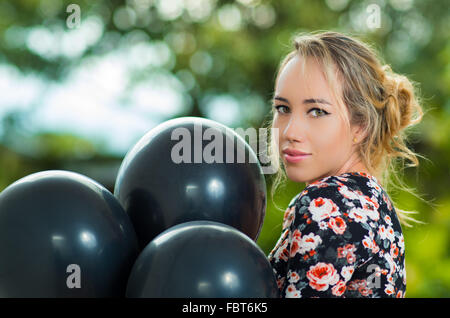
x=232 y=48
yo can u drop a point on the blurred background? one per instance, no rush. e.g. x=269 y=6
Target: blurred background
x=82 y=81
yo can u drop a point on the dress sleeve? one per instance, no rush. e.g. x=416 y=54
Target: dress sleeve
x=325 y=244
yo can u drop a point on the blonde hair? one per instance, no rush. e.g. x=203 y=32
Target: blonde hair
x=383 y=102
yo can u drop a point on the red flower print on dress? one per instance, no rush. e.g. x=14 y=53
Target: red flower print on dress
x=304 y=244
x=321 y=183
x=389 y=290
x=364 y=290
x=358 y=214
x=343 y=179
x=347 y=272
x=292 y=292
x=390 y=233
x=391 y=263
x=401 y=244
x=371 y=211
x=382 y=232
x=361 y=286
x=280 y=282
x=321 y=208
x=394 y=250
x=347 y=252
x=274 y=254
x=337 y=225
x=282 y=253
x=388 y=220
x=372 y=184
x=295 y=245
x=390 y=279
x=323 y=225
x=293 y=277
x=338 y=289
x=370 y=244
x=387 y=201
x=351 y=195
x=288 y=217
x=353 y=285
x=321 y=276
x=386 y=233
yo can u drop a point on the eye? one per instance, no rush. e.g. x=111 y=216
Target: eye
x=318 y=111
x=278 y=108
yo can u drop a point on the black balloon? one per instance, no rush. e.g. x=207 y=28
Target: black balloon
x=202 y=259
x=63 y=235
x=159 y=192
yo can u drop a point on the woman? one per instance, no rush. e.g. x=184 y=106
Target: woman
x=341 y=117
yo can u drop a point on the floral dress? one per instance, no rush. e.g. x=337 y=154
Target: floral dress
x=340 y=238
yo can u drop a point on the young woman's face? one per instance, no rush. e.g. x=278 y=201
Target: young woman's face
x=308 y=121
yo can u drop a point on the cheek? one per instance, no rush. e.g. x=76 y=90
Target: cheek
x=329 y=137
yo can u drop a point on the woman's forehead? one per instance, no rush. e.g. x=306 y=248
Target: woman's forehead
x=302 y=77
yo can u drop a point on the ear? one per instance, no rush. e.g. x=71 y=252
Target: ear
x=358 y=133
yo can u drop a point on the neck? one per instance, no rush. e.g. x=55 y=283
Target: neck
x=357 y=167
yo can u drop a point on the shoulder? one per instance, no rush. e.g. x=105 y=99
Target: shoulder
x=347 y=205
x=346 y=191
x=352 y=204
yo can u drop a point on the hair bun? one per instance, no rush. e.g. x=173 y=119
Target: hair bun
x=400 y=101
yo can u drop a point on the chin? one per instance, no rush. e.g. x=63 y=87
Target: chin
x=304 y=177
x=298 y=177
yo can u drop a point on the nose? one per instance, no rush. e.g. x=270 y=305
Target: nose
x=294 y=131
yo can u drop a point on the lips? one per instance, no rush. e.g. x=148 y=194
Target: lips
x=294 y=152
x=294 y=156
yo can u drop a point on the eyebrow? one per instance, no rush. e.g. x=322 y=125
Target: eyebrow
x=305 y=101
